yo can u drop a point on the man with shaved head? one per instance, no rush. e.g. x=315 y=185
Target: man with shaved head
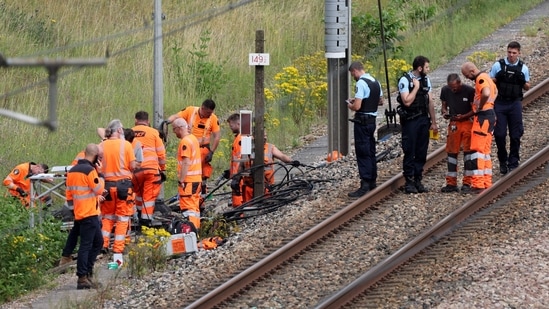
x=189 y=171
x=84 y=192
x=484 y=121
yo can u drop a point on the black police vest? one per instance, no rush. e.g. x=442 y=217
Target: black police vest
x=422 y=97
x=510 y=80
x=369 y=104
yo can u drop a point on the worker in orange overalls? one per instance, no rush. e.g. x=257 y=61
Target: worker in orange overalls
x=236 y=160
x=205 y=126
x=270 y=152
x=118 y=165
x=148 y=178
x=483 y=126
x=18 y=181
x=457 y=99
x=189 y=171
x=83 y=193
x=79 y=156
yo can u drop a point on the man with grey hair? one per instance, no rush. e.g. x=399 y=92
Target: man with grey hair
x=118 y=165
x=189 y=171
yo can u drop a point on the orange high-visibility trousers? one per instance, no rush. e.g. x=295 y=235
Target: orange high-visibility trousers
x=481 y=145
x=189 y=201
x=116 y=213
x=146 y=184
x=207 y=168
x=459 y=137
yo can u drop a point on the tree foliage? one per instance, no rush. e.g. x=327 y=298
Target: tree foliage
x=366 y=33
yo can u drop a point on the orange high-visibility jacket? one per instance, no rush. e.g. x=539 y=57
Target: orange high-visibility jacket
x=268 y=169
x=482 y=81
x=267 y=160
x=118 y=154
x=19 y=176
x=189 y=148
x=79 y=156
x=236 y=156
x=200 y=127
x=83 y=187
x=154 y=152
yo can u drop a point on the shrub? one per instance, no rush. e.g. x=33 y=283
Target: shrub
x=27 y=253
x=148 y=253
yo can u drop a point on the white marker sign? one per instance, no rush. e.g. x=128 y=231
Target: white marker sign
x=259 y=59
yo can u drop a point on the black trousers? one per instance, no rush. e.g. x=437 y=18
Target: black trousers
x=91 y=242
x=415 y=143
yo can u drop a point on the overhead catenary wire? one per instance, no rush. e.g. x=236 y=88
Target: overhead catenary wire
x=201 y=16
x=209 y=14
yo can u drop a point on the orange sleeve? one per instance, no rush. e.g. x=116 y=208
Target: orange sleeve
x=214 y=123
x=130 y=155
x=185 y=113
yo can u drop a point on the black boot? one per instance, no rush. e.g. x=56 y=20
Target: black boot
x=364 y=188
x=410 y=186
x=419 y=186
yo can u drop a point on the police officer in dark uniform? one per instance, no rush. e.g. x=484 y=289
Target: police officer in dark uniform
x=368 y=95
x=417 y=116
x=511 y=76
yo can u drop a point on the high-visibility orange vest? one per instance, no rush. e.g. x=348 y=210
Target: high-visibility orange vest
x=268 y=169
x=200 y=127
x=19 y=176
x=154 y=152
x=236 y=156
x=189 y=148
x=83 y=187
x=79 y=156
x=267 y=160
x=117 y=156
x=482 y=81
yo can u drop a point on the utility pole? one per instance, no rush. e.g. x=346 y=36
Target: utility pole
x=52 y=66
x=259 y=59
x=158 y=91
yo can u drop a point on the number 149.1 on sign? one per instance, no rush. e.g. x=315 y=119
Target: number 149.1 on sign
x=259 y=59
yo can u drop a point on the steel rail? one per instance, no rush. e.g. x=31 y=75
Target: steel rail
x=433 y=234
x=232 y=287
x=443 y=227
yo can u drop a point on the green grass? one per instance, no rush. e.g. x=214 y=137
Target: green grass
x=455 y=31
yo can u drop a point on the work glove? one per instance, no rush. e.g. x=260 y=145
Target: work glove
x=209 y=157
x=235 y=185
x=21 y=192
x=226 y=174
x=163 y=176
x=295 y=163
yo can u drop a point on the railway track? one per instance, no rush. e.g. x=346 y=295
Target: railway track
x=310 y=256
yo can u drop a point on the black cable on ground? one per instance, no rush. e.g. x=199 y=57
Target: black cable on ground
x=282 y=193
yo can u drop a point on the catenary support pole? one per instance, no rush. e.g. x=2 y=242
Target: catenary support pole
x=52 y=66
x=338 y=52
x=158 y=90
x=158 y=79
